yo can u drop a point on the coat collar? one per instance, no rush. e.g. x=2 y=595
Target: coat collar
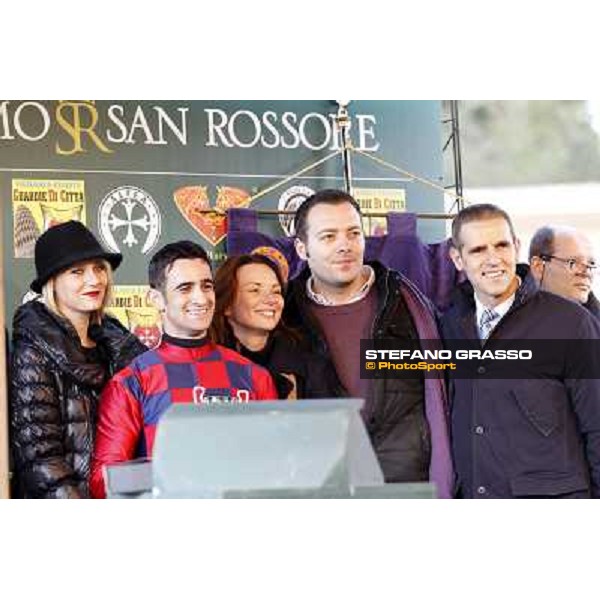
x=593 y=305
x=463 y=301
x=464 y=296
x=56 y=338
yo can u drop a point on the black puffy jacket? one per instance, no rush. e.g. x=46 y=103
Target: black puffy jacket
x=55 y=384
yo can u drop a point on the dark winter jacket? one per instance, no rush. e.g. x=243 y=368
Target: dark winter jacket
x=403 y=417
x=55 y=384
x=314 y=376
x=537 y=434
x=593 y=305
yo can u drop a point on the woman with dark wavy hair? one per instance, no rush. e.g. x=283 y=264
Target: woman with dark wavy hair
x=250 y=300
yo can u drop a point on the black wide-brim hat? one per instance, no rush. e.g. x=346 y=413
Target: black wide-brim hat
x=64 y=245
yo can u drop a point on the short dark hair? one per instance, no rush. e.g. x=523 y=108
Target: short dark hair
x=478 y=212
x=542 y=242
x=164 y=258
x=322 y=197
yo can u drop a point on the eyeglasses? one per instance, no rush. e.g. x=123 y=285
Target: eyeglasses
x=574 y=264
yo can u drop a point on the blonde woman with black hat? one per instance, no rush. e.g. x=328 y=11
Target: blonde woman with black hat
x=65 y=348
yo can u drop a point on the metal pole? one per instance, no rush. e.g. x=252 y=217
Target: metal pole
x=276 y=213
x=4 y=473
x=343 y=123
x=458 y=181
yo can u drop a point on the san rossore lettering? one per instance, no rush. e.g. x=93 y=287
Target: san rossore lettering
x=246 y=129
x=81 y=126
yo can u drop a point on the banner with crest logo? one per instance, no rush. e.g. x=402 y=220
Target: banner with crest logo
x=141 y=174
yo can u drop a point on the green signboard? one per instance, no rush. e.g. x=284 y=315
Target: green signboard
x=141 y=173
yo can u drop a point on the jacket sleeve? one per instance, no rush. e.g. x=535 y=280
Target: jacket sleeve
x=583 y=382
x=283 y=383
x=264 y=387
x=119 y=345
x=37 y=427
x=120 y=424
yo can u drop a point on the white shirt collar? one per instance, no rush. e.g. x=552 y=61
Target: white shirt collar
x=360 y=294
x=500 y=309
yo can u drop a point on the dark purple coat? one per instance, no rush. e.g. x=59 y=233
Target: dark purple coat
x=528 y=436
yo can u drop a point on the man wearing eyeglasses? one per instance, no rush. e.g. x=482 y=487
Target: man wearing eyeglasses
x=562 y=262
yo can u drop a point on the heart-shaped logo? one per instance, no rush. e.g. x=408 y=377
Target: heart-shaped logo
x=192 y=202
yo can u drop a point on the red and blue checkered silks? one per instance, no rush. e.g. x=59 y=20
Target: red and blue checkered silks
x=135 y=398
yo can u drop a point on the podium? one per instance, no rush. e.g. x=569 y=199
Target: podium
x=280 y=449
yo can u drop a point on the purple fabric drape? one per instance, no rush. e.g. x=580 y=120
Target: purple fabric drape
x=437 y=408
x=426 y=265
